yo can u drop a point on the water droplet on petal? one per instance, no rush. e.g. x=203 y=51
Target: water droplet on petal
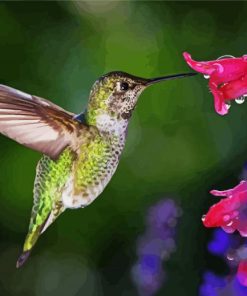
x=228 y=229
x=228 y=104
x=203 y=218
x=240 y=100
x=231 y=256
x=226 y=218
x=226 y=56
x=229 y=224
x=206 y=76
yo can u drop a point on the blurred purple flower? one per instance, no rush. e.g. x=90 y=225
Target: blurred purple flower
x=214 y=285
x=155 y=246
x=220 y=242
x=211 y=284
x=233 y=249
x=224 y=243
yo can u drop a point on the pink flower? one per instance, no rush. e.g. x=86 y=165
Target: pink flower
x=229 y=213
x=227 y=78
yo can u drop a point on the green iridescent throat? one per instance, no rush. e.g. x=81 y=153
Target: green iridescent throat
x=97 y=104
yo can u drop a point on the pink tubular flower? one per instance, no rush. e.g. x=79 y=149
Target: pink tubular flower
x=229 y=213
x=227 y=78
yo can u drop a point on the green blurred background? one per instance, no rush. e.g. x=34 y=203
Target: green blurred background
x=177 y=145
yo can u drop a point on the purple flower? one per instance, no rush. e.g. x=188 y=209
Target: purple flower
x=148 y=274
x=155 y=246
x=214 y=285
x=220 y=243
x=233 y=249
x=211 y=284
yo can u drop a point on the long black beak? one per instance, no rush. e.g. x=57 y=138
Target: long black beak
x=159 y=79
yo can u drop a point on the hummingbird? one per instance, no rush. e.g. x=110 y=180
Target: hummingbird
x=81 y=151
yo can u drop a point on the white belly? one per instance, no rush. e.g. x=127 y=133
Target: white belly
x=72 y=201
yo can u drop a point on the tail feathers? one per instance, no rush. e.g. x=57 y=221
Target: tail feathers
x=30 y=241
x=22 y=259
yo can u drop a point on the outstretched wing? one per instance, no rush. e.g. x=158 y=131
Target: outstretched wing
x=36 y=123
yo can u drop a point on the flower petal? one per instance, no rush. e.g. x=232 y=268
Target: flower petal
x=235 y=88
x=229 y=213
x=202 y=67
x=242 y=186
x=227 y=78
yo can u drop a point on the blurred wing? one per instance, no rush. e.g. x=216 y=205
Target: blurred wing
x=36 y=123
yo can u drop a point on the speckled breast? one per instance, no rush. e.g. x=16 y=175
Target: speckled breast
x=96 y=163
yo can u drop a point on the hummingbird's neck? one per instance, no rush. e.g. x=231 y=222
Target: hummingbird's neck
x=107 y=123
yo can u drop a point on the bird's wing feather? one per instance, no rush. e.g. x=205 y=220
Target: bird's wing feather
x=36 y=123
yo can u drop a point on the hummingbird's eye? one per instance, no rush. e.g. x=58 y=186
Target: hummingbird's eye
x=124 y=86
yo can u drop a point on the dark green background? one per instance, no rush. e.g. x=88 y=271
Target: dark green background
x=177 y=145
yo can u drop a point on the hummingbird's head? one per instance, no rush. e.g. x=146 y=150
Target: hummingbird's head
x=115 y=95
